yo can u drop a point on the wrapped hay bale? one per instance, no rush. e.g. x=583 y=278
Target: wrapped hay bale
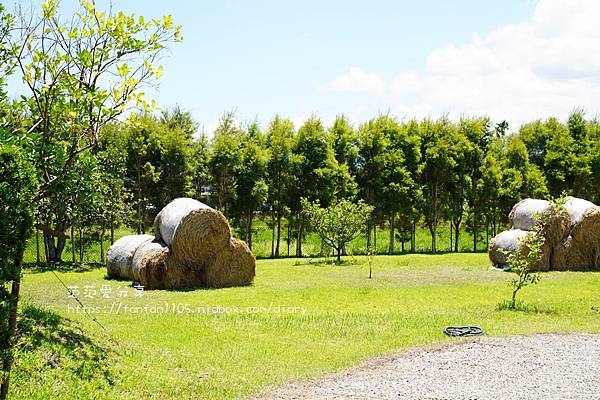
x=193 y=231
x=577 y=207
x=522 y=215
x=505 y=243
x=556 y=230
x=140 y=255
x=581 y=250
x=119 y=256
x=160 y=269
x=235 y=265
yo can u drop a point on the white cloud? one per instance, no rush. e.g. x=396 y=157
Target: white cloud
x=356 y=80
x=546 y=66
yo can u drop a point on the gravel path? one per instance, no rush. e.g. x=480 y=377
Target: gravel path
x=553 y=366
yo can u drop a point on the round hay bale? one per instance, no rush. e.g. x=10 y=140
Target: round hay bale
x=585 y=244
x=119 y=256
x=522 y=215
x=503 y=244
x=160 y=269
x=577 y=207
x=235 y=265
x=554 y=232
x=194 y=231
x=144 y=248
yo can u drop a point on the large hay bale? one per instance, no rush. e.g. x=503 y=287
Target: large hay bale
x=581 y=250
x=235 y=265
x=119 y=256
x=193 y=231
x=160 y=269
x=505 y=243
x=522 y=216
x=557 y=229
x=577 y=207
x=141 y=253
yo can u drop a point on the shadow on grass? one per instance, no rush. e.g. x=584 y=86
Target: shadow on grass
x=521 y=306
x=62 y=267
x=62 y=342
x=327 y=262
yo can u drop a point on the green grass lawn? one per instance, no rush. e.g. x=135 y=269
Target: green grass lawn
x=334 y=317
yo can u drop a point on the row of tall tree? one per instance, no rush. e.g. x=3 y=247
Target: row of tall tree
x=467 y=173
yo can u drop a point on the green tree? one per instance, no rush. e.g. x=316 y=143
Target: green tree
x=373 y=145
x=81 y=74
x=142 y=141
x=343 y=140
x=338 y=223
x=224 y=162
x=251 y=174
x=488 y=190
x=199 y=166
x=280 y=177
x=436 y=172
x=314 y=168
x=18 y=187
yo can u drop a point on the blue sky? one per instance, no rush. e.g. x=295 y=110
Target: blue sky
x=267 y=57
x=511 y=59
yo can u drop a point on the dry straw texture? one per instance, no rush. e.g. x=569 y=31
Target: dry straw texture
x=194 y=231
x=119 y=256
x=144 y=248
x=581 y=249
x=159 y=269
x=555 y=231
x=235 y=265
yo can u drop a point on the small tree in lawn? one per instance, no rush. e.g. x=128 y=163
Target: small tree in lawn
x=526 y=259
x=523 y=263
x=339 y=223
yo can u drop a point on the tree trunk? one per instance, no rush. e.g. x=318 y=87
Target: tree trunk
x=72 y=244
x=413 y=236
x=474 y=233
x=46 y=251
x=272 y=234
x=451 y=241
x=61 y=243
x=112 y=232
x=299 y=238
x=12 y=327
x=392 y=234
x=51 y=255
x=456 y=237
x=339 y=255
x=375 y=237
x=433 y=231
x=37 y=246
x=278 y=235
x=289 y=239
x=80 y=245
x=102 y=245
x=249 y=229
x=403 y=233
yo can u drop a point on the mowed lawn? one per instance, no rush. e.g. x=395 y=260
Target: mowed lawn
x=302 y=318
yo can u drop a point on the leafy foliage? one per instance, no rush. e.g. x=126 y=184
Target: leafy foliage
x=338 y=223
x=525 y=261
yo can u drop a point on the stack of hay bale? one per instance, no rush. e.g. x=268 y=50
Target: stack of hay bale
x=571 y=238
x=192 y=247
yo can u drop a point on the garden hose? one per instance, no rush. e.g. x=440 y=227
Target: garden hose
x=463 y=331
